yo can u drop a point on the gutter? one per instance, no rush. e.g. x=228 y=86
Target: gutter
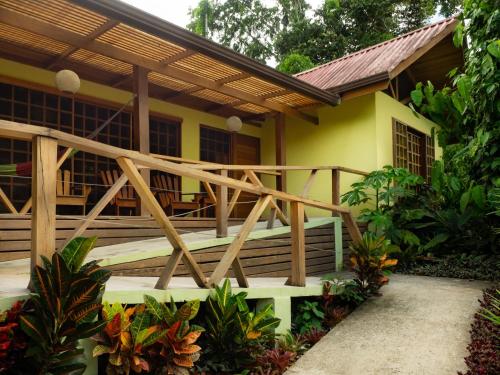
x=134 y=17
x=376 y=78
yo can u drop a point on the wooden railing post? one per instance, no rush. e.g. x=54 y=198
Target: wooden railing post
x=43 y=191
x=335 y=187
x=221 y=212
x=298 y=276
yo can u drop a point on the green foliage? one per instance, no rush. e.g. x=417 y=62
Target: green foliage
x=126 y=335
x=234 y=334
x=176 y=351
x=492 y=313
x=468 y=111
x=460 y=266
x=290 y=342
x=62 y=309
x=370 y=263
x=262 y=30
x=309 y=315
x=295 y=63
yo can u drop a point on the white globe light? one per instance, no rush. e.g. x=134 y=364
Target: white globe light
x=234 y=124
x=67 y=81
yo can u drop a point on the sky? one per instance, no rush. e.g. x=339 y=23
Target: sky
x=176 y=11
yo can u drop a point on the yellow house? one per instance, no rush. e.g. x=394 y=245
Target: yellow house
x=351 y=112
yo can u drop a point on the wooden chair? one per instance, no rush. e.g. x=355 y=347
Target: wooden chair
x=170 y=196
x=125 y=196
x=65 y=193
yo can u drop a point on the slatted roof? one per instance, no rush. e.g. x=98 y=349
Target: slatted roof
x=103 y=39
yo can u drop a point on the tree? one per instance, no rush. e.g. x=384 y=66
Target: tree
x=295 y=63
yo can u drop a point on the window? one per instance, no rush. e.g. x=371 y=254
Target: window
x=412 y=149
x=215 y=145
x=77 y=117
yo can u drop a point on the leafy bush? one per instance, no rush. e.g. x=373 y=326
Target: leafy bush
x=175 y=352
x=483 y=349
x=308 y=316
x=128 y=332
x=312 y=336
x=234 y=334
x=275 y=361
x=370 y=263
x=63 y=308
x=290 y=342
x=463 y=266
x=13 y=342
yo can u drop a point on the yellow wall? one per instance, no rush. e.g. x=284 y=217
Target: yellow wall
x=355 y=134
x=191 y=119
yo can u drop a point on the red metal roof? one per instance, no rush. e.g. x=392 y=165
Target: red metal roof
x=375 y=63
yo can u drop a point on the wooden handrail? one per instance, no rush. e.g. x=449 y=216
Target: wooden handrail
x=129 y=161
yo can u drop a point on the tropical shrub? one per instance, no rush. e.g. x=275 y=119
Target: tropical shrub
x=234 y=334
x=126 y=335
x=370 y=263
x=13 y=342
x=313 y=336
x=460 y=266
x=291 y=342
x=483 y=349
x=275 y=361
x=62 y=309
x=341 y=292
x=175 y=352
x=308 y=316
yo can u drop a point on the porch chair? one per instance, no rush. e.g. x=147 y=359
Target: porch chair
x=125 y=196
x=170 y=196
x=65 y=193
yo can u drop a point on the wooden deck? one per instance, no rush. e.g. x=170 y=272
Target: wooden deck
x=266 y=252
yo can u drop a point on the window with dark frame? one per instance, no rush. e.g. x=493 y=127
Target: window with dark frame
x=412 y=149
x=77 y=117
x=215 y=145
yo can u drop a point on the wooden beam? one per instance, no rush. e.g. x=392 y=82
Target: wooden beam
x=336 y=186
x=180 y=250
x=298 y=268
x=235 y=196
x=280 y=150
x=106 y=26
x=7 y=203
x=20 y=131
x=120 y=81
x=255 y=180
x=188 y=91
x=92 y=215
x=74 y=39
x=221 y=215
x=141 y=123
x=177 y=57
x=235 y=246
x=352 y=227
x=43 y=189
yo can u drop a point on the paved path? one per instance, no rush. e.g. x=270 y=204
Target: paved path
x=420 y=326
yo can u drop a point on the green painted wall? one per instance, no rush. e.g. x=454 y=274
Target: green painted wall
x=191 y=119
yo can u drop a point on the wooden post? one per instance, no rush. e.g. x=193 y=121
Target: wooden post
x=43 y=191
x=335 y=188
x=141 y=123
x=280 y=144
x=221 y=213
x=298 y=274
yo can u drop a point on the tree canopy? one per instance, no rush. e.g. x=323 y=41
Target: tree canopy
x=336 y=28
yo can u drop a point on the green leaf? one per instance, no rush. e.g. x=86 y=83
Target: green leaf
x=479 y=196
x=188 y=310
x=464 y=200
x=100 y=350
x=76 y=251
x=154 y=337
x=417 y=96
x=33 y=328
x=494 y=48
x=436 y=240
x=154 y=307
x=458 y=35
x=141 y=322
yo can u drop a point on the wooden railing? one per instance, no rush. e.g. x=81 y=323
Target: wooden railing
x=45 y=163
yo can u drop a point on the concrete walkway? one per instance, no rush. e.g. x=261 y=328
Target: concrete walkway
x=419 y=326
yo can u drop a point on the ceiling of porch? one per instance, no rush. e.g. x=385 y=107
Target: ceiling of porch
x=102 y=41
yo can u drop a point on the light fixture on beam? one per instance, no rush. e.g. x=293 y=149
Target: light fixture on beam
x=234 y=124
x=67 y=81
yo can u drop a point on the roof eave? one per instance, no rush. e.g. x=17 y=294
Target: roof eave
x=163 y=29
x=349 y=86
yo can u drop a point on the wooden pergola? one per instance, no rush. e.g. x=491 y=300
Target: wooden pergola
x=109 y=42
